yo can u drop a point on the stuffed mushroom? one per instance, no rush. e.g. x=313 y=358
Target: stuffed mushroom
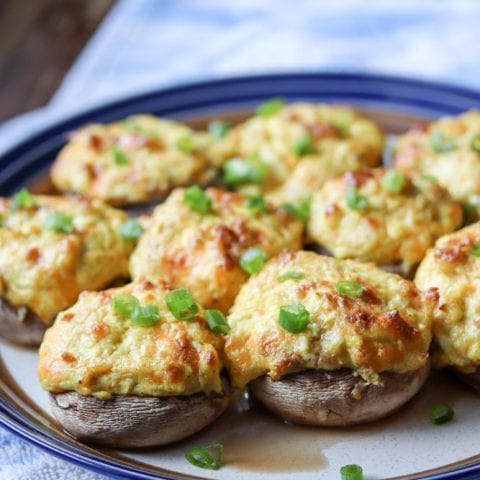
x=329 y=342
x=450 y=273
x=52 y=248
x=135 y=366
x=132 y=161
x=447 y=149
x=382 y=216
x=211 y=241
x=262 y=153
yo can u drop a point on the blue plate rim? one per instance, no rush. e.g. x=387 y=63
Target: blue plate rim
x=19 y=424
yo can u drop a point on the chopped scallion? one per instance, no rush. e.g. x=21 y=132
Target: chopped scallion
x=130 y=229
x=181 y=304
x=145 y=316
x=124 y=305
x=216 y=321
x=441 y=144
x=355 y=200
x=294 y=317
x=119 y=156
x=270 y=107
x=59 y=221
x=290 y=275
x=22 y=199
x=351 y=472
x=197 y=199
x=304 y=145
x=441 y=413
x=218 y=128
x=253 y=260
x=209 y=457
x=256 y=204
x=347 y=287
x=393 y=181
x=238 y=171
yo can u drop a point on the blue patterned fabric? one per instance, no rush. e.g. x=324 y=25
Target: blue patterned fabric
x=145 y=44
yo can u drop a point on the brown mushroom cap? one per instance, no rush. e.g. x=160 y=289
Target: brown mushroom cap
x=323 y=398
x=20 y=325
x=133 y=421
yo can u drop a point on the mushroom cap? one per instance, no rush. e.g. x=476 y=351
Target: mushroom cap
x=450 y=273
x=337 y=398
x=390 y=227
x=135 y=422
x=385 y=326
x=135 y=160
x=20 y=325
x=44 y=267
x=456 y=166
x=202 y=251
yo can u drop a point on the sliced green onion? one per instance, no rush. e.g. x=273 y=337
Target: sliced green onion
x=270 y=107
x=342 y=120
x=426 y=176
x=181 y=304
x=294 y=317
x=300 y=211
x=22 y=199
x=209 y=457
x=238 y=171
x=131 y=124
x=216 y=321
x=119 y=156
x=197 y=199
x=218 y=128
x=355 y=200
x=440 y=143
x=303 y=146
x=441 y=413
x=347 y=287
x=124 y=305
x=351 y=472
x=130 y=229
x=59 y=221
x=475 y=143
x=290 y=275
x=185 y=144
x=145 y=316
x=256 y=204
x=476 y=249
x=393 y=181
x=253 y=260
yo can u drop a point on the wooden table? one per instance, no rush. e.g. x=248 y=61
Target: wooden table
x=39 y=40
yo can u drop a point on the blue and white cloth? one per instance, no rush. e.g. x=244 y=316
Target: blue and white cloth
x=146 y=44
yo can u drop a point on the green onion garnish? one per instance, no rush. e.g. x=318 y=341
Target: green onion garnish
x=237 y=171
x=476 y=249
x=303 y=146
x=185 y=144
x=119 y=156
x=253 y=260
x=300 y=211
x=218 y=128
x=216 y=321
x=181 y=304
x=145 y=316
x=22 y=199
x=355 y=200
x=293 y=318
x=124 y=305
x=441 y=413
x=209 y=457
x=59 y=221
x=342 y=120
x=393 y=181
x=270 y=107
x=430 y=178
x=256 y=204
x=347 y=287
x=440 y=143
x=351 y=472
x=290 y=275
x=197 y=199
x=130 y=229
x=475 y=143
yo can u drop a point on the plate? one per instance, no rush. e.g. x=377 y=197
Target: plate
x=258 y=445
